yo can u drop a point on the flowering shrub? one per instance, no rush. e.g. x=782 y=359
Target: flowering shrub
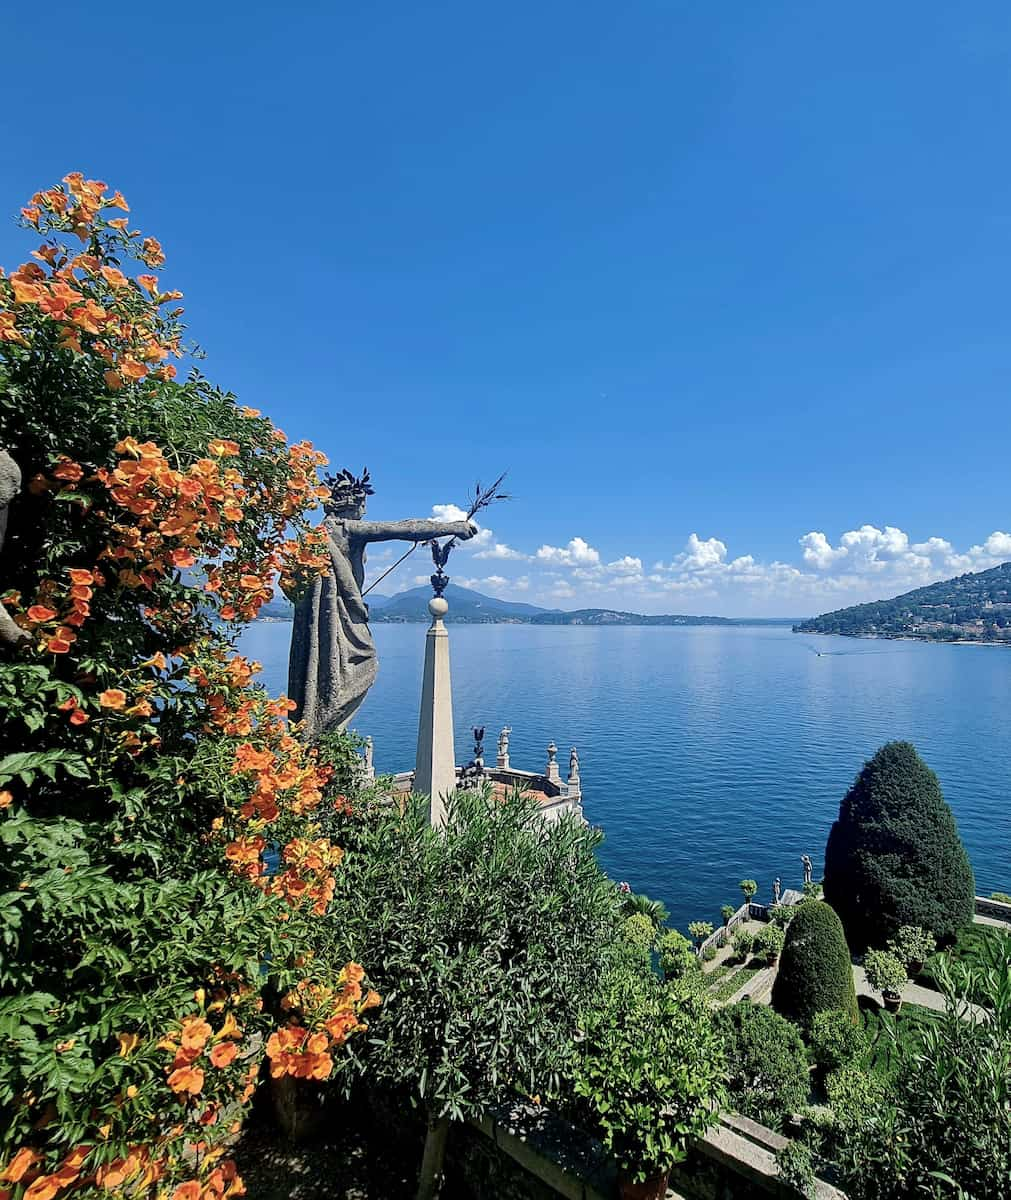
x=162 y=861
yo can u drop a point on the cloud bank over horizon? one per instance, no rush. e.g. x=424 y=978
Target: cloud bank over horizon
x=703 y=577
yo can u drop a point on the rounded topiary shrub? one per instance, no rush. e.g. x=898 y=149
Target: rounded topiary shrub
x=767 y=1076
x=894 y=856
x=815 y=972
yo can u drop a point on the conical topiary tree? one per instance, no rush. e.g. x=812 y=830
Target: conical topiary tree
x=815 y=972
x=894 y=856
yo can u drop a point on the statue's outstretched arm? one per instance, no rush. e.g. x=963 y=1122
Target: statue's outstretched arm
x=409 y=531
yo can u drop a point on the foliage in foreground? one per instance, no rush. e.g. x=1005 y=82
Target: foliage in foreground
x=815 y=973
x=486 y=938
x=940 y=1125
x=143 y=777
x=894 y=856
x=766 y=1062
x=649 y=1071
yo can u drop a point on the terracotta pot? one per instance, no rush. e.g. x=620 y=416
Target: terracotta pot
x=893 y=1001
x=915 y=967
x=771 y=960
x=649 y=1189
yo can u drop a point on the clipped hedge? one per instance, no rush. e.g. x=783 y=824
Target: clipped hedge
x=815 y=972
x=894 y=856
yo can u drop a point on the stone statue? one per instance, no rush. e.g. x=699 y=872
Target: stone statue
x=502 y=760
x=574 y=767
x=806 y=861
x=777 y=885
x=369 y=765
x=10 y=485
x=332 y=663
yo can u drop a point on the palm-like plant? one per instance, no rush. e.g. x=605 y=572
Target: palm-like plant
x=656 y=910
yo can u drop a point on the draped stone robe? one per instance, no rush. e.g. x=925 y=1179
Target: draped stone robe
x=332 y=663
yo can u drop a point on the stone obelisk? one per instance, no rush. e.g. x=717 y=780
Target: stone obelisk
x=435 y=765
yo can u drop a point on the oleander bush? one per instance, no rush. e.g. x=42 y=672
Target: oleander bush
x=939 y=1125
x=894 y=856
x=767 y=1071
x=815 y=973
x=145 y=942
x=488 y=939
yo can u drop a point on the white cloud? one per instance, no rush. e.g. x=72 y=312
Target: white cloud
x=626 y=565
x=576 y=554
x=865 y=562
x=818 y=552
x=997 y=545
x=501 y=551
x=448 y=512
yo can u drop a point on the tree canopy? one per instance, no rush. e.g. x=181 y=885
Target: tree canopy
x=894 y=856
x=766 y=1062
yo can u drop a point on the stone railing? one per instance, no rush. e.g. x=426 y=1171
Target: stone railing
x=737 y=1157
x=747 y=912
x=985 y=907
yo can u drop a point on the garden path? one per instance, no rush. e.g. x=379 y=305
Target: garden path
x=914 y=993
x=980 y=919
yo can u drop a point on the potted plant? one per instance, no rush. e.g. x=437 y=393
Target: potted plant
x=726 y=912
x=748 y=888
x=700 y=930
x=782 y=914
x=769 y=941
x=913 y=946
x=647 y=1078
x=886 y=974
x=744 y=943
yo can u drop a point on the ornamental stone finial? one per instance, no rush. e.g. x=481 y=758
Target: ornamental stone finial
x=552 y=772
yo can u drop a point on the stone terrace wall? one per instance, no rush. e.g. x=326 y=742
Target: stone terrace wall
x=985 y=907
x=526 y=1153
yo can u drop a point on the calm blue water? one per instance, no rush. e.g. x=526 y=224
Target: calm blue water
x=710 y=754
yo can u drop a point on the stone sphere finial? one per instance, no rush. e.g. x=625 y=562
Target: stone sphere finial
x=438 y=607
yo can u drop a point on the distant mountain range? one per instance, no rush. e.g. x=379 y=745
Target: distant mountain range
x=973 y=608
x=473 y=608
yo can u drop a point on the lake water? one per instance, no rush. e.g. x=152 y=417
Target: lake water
x=709 y=754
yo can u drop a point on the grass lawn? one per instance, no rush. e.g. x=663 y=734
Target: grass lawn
x=735 y=980
x=974 y=946
x=713 y=977
x=908 y=1023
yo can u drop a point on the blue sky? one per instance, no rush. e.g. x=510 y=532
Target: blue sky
x=724 y=288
